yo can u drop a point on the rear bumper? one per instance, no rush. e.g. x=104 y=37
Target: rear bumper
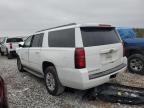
x=107 y=72
x=100 y=80
x=13 y=52
x=81 y=79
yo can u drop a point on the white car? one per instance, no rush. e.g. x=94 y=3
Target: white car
x=9 y=46
x=80 y=56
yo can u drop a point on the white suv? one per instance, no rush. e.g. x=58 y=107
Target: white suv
x=9 y=46
x=80 y=56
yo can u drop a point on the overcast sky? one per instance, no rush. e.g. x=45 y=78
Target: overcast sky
x=21 y=17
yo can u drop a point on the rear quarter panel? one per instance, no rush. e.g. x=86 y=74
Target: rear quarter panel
x=62 y=58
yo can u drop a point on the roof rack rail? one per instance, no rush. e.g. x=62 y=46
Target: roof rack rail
x=57 y=27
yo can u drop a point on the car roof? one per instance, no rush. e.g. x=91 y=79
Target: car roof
x=73 y=25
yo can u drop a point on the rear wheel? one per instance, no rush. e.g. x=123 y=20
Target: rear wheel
x=136 y=63
x=52 y=82
x=19 y=65
x=9 y=55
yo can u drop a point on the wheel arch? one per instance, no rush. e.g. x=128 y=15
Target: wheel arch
x=134 y=51
x=46 y=64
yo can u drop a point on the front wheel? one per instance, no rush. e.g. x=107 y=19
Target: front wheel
x=136 y=63
x=19 y=65
x=52 y=82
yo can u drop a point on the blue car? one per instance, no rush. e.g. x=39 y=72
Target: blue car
x=134 y=49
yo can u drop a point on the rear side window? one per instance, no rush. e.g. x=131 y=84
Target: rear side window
x=62 y=38
x=14 y=40
x=37 y=40
x=95 y=36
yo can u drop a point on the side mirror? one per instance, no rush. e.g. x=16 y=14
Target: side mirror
x=21 y=44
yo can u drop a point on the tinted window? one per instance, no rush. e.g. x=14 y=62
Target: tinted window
x=14 y=40
x=62 y=38
x=94 y=36
x=28 y=42
x=37 y=40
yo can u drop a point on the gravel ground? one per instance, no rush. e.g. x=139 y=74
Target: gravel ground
x=28 y=91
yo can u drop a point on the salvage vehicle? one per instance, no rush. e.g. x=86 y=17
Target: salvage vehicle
x=134 y=49
x=79 y=56
x=9 y=46
x=3 y=94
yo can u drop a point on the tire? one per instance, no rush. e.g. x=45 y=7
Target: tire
x=2 y=53
x=19 y=65
x=53 y=85
x=136 y=64
x=9 y=55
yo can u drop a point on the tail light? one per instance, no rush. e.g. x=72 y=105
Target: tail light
x=124 y=53
x=3 y=96
x=10 y=45
x=80 y=58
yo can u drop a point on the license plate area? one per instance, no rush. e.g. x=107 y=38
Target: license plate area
x=108 y=56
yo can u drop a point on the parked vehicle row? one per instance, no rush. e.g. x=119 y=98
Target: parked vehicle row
x=80 y=56
x=9 y=45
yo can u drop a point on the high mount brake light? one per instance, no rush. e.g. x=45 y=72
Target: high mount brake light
x=104 y=25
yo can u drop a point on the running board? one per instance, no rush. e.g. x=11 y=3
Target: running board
x=34 y=72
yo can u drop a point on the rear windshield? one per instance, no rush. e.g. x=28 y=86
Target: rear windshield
x=14 y=40
x=95 y=36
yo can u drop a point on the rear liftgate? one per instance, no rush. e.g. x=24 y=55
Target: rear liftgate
x=116 y=93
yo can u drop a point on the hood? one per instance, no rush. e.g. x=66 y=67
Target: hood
x=134 y=42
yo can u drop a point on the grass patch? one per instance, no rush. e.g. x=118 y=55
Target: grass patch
x=140 y=32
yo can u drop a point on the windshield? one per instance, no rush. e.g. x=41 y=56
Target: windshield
x=126 y=33
x=95 y=36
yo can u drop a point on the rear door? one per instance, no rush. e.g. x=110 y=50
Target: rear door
x=103 y=48
x=34 y=52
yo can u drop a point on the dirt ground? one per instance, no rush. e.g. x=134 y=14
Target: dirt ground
x=28 y=91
